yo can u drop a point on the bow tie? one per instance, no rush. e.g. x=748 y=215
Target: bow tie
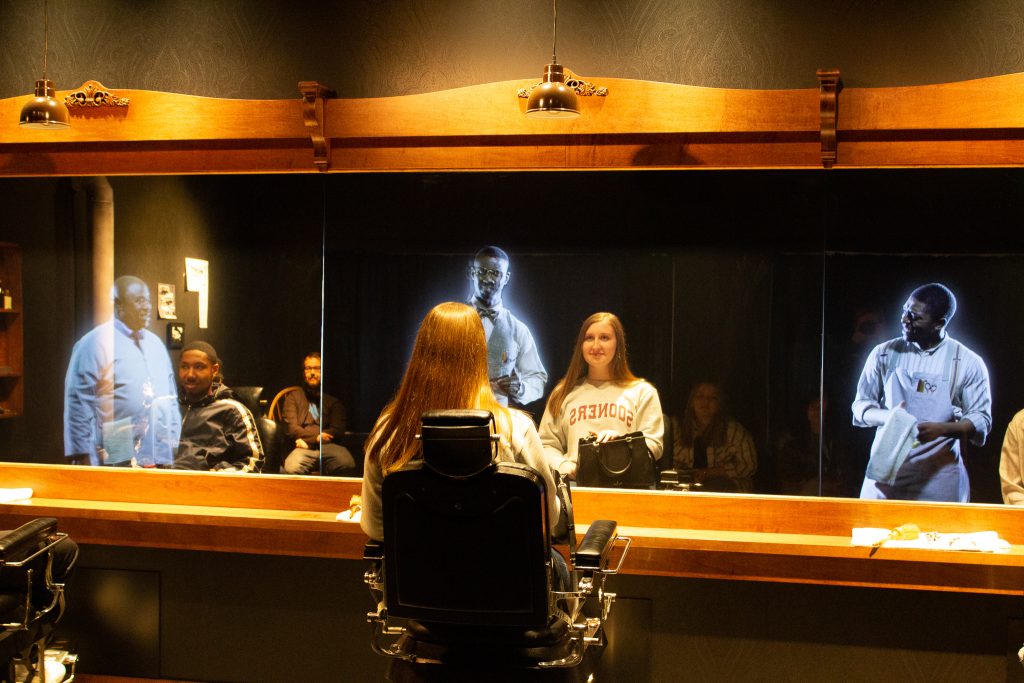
x=490 y=313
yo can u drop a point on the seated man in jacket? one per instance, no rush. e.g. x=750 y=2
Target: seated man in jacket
x=314 y=421
x=217 y=431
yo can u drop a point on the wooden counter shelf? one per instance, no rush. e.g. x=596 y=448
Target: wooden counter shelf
x=717 y=536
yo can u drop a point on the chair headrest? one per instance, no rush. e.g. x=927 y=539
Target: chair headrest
x=458 y=443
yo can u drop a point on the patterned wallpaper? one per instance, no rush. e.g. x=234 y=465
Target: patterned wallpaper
x=364 y=48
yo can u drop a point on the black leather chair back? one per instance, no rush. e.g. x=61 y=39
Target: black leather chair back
x=250 y=398
x=466 y=549
x=273 y=438
x=458 y=443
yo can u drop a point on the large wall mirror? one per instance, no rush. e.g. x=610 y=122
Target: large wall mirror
x=771 y=285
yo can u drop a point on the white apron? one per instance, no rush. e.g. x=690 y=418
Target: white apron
x=932 y=471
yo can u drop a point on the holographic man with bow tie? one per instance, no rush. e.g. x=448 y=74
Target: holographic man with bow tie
x=514 y=366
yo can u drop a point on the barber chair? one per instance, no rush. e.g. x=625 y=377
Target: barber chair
x=465 y=577
x=250 y=398
x=31 y=595
x=275 y=442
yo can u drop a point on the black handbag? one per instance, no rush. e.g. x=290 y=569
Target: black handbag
x=622 y=462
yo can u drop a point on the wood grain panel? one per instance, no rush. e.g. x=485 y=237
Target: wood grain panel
x=762 y=538
x=638 y=125
x=990 y=103
x=181 y=488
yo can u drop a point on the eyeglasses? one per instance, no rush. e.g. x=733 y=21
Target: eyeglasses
x=479 y=271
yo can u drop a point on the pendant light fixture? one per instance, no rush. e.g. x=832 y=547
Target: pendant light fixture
x=552 y=98
x=43 y=111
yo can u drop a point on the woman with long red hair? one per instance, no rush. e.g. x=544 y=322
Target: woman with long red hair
x=447 y=370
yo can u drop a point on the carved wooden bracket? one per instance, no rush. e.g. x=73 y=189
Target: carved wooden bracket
x=313 y=95
x=829 y=85
x=94 y=94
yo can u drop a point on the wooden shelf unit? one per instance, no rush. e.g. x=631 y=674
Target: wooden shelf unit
x=12 y=356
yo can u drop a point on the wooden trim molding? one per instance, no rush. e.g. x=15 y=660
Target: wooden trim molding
x=638 y=125
x=721 y=536
x=314 y=96
x=829 y=84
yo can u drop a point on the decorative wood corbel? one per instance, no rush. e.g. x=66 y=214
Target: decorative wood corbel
x=829 y=85
x=94 y=94
x=313 y=95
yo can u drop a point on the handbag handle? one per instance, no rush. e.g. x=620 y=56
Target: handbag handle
x=608 y=470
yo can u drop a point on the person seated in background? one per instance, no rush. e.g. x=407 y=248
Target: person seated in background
x=217 y=431
x=714 y=447
x=806 y=458
x=599 y=396
x=314 y=421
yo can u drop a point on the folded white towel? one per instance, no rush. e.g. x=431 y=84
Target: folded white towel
x=979 y=541
x=891 y=446
x=11 y=495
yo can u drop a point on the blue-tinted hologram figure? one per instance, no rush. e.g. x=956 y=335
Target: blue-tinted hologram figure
x=120 y=396
x=514 y=366
x=924 y=392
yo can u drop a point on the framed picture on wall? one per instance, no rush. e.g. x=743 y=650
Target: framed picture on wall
x=166 y=305
x=175 y=335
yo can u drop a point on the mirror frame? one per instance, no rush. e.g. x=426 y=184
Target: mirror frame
x=638 y=125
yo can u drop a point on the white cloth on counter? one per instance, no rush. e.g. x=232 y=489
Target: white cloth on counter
x=349 y=516
x=979 y=541
x=11 y=495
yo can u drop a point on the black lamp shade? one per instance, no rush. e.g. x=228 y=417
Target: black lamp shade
x=553 y=98
x=43 y=111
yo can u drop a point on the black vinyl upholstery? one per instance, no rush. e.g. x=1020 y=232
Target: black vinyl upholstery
x=592 y=553
x=467 y=563
x=448 y=542
x=18 y=544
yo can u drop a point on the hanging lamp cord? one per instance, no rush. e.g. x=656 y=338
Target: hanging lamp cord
x=554 y=30
x=46 y=35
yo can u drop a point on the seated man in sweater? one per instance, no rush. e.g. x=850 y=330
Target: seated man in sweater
x=314 y=421
x=217 y=431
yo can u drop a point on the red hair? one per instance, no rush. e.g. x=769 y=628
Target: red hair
x=447 y=370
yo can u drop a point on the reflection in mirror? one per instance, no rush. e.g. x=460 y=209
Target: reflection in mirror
x=711 y=289
x=915 y=359
x=231 y=261
x=719 y=277
x=937 y=226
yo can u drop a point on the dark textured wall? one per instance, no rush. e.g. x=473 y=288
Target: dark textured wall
x=367 y=48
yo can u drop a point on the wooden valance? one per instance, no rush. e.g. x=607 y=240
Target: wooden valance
x=638 y=125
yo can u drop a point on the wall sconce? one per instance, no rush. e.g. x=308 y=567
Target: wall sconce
x=43 y=111
x=555 y=96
